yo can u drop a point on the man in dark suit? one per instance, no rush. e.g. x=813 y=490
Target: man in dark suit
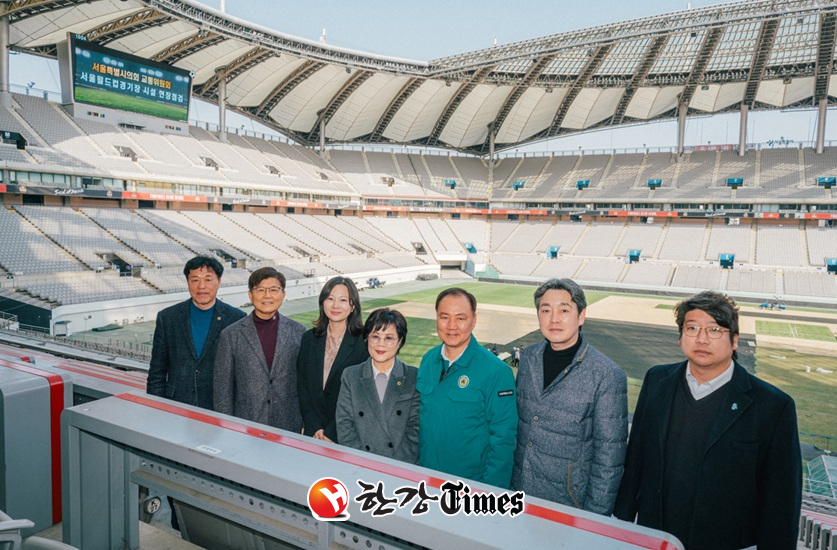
x=186 y=340
x=255 y=370
x=713 y=455
x=186 y=337
x=378 y=406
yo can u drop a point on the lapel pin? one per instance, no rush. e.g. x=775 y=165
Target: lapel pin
x=219 y=318
x=398 y=383
x=735 y=406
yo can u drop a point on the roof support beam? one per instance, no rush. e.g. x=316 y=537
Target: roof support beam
x=596 y=58
x=285 y=87
x=336 y=102
x=767 y=36
x=231 y=70
x=465 y=89
x=532 y=75
x=121 y=26
x=649 y=59
x=411 y=86
x=21 y=9
x=825 y=56
x=189 y=45
x=704 y=56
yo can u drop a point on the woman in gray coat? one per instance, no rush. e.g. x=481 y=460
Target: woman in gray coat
x=377 y=410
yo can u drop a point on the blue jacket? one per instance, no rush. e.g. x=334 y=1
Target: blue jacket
x=468 y=420
x=572 y=435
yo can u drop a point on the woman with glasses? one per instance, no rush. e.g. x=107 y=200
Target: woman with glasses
x=378 y=406
x=255 y=368
x=335 y=342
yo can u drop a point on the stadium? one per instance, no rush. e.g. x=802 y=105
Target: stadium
x=389 y=170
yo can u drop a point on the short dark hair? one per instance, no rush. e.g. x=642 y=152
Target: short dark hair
x=457 y=291
x=264 y=273
x=717 y=305
x=201 y=261
x=354 y=324
x=575 y=292
x=381 y=318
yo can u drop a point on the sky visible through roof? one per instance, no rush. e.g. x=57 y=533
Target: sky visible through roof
x=432 y=29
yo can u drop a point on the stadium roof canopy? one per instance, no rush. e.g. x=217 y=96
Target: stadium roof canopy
x=763 y=54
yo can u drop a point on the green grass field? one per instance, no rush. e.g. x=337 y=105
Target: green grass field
x=116 y=100
x=794 y=330
x=812 y=391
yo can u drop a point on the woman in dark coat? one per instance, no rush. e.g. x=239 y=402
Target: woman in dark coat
x=335 y=342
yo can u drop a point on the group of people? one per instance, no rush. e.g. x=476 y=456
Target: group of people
x=713 y=456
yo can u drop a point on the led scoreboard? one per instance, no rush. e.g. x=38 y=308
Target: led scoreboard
x=109 y=79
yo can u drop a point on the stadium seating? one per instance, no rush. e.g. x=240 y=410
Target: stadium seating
x=648 y=274
x=599 y=240
x=79 y=235
x=24 y=249
x=779 y=246
x=140 y=235
x=683 y=242
x=822 y=244
x=730 y=240
x=601 y=271
x=48 y=241
x=752 y=280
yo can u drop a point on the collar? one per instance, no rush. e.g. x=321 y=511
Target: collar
x=464 y=358
x=699 y=391
x=259 y=321
x=387 y=373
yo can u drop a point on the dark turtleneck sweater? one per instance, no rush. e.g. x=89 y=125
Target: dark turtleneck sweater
x=555 y=362
x=267 y=330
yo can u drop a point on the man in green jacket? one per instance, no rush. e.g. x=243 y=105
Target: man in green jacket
x=468 y=410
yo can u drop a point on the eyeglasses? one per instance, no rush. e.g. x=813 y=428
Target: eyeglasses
x=693 y=331
x=272 y=291
x=387 y=340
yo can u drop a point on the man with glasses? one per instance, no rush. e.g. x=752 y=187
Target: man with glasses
x=713 y=455
x=255 y=370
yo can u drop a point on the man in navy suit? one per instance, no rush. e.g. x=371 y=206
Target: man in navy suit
x=186 y=337
x=713 y=455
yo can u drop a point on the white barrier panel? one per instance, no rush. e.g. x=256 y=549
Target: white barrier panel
x=248 y=475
